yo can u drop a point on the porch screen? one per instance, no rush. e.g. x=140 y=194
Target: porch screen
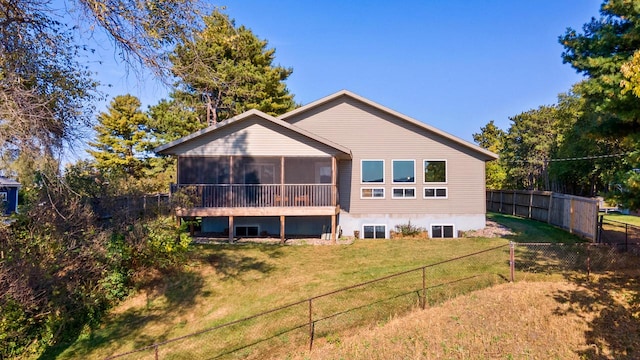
x=203 y=170
x=256 y=170
x=307 y=170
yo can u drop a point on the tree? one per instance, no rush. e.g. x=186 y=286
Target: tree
x=491 y=138
x=46 y=93
x=227 y=70
x=528 y=147
x=122 y=139
x=599 y=53
x=605 y=54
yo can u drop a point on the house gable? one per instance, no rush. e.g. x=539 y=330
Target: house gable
x=253 y=134
x=340 y=116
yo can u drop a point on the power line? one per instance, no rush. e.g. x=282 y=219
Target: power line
x=589 y=157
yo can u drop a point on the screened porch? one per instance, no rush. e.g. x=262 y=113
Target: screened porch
x=257 y=182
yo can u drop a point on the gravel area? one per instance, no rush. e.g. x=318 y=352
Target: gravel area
x=492 y=230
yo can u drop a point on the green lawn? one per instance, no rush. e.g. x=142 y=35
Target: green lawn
x=223 y=283
x=628 y=219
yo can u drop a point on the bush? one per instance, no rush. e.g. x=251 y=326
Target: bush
x=409 y=230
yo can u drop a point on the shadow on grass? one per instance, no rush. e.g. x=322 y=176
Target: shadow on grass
x=176 y=291
x=614 y=300
x=533 y=231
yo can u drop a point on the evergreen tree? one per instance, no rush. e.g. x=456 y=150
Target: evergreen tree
x=227 y=70
x=122 y=137
x=491 y=138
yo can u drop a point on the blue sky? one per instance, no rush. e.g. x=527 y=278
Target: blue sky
x=454 y=64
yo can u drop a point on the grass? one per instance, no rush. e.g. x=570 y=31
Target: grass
x=224 y=283
x=627 y=219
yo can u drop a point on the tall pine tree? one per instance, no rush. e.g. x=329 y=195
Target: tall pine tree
x=121 y=140
x=227 y=70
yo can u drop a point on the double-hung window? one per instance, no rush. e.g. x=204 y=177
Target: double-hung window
x=403 y=172
x=372 y=175
x=435 y=177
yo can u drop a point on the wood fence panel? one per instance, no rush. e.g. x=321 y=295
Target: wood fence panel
x=575 y=214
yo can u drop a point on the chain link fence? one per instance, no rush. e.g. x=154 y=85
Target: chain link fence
x=623 y=236
x=326 y=316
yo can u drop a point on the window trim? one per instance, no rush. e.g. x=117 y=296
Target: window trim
x=374 y=231
x=436 y=189
x=403 y=182
x=383 y=172
x=446 y=173
x=393 y=196
x=453 y=228
x=373 y=197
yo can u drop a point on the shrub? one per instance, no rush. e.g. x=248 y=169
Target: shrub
x=409 y=229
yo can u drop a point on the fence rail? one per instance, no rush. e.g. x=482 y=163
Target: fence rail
x=578 y=215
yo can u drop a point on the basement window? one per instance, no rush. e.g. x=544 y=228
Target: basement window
x=374 y=231
x=249 y=230
x=442 y=231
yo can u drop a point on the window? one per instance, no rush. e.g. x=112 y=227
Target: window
x=372 y=193
x=249 y=230
x=404 y=193
x=404 y=171
x=435 y=193
x=372 y=171
x=442 y=231
x=435 y=171
x=374 y=231
x=3 y=196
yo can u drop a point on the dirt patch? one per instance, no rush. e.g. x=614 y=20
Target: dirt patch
x=491 y=230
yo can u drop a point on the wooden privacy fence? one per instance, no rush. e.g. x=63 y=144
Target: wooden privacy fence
x=578 y=215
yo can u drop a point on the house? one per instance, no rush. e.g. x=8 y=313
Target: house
x=8 y=196
x=340 y=164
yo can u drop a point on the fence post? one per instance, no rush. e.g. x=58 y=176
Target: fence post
x=156 y=351
x=588 y=261
x=423 y=299
x=599 y=232
x=310 y=325
x=626 y=237
x=512 y=260
x=550 y=208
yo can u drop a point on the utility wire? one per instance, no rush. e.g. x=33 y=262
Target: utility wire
x=589 y=157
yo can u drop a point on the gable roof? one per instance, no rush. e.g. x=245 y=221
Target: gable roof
x=394 y=113
x=166 y=148
x=5 y=182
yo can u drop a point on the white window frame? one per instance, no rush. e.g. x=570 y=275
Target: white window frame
x=446 y=172
x=435 y=197
x=373 y=188
x=373 y=183
x=403 y=182
x=453 y=227
x=386 y=229
x=393 y=195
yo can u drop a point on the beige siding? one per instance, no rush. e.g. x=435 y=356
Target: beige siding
x=373 y=134
x=253 y=137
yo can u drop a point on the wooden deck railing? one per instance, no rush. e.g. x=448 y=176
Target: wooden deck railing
x=261 y=195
